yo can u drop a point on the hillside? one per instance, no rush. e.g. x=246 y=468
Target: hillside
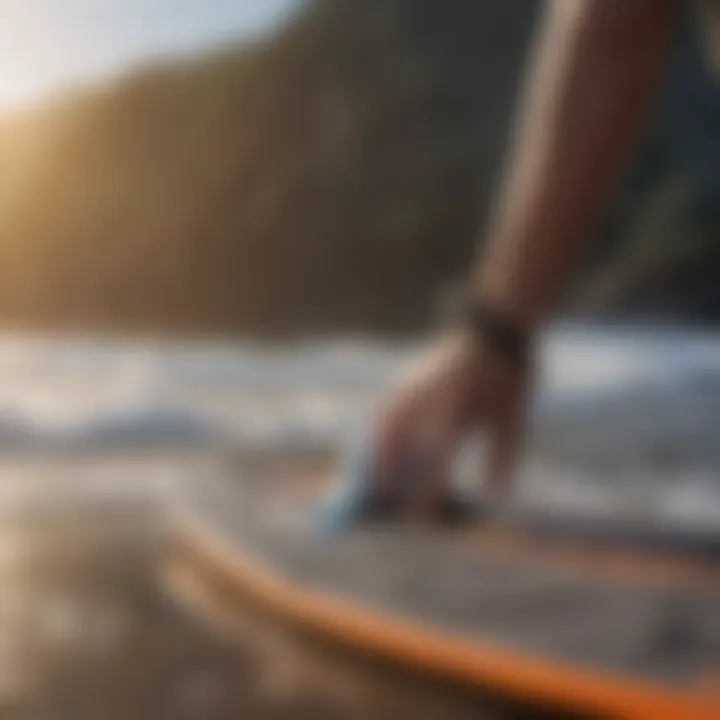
x=330 y=176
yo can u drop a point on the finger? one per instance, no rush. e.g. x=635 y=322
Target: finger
x=437 y=465
x=505 y=433
x=393 y=443
x=435 y=457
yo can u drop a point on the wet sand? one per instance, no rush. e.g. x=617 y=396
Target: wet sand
x=98 y=623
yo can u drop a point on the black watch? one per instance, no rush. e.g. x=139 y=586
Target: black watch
x=497 y=331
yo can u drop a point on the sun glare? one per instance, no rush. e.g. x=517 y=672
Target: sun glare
x=48 y=45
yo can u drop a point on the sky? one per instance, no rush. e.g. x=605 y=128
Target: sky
x=46 y=45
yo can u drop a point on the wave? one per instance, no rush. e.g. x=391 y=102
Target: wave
x=602 y=393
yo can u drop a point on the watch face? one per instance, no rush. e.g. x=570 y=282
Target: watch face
x=499 y=333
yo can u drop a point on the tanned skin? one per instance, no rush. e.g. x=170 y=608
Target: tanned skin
x=594 y=69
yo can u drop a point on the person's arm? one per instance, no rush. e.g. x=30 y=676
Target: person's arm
x=594 y=70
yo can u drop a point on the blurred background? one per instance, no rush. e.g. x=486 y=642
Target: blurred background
x=224 y=224
x=328 y=171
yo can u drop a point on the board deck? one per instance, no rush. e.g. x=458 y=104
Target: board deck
x=610 y=630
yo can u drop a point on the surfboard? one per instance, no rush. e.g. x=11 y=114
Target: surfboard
x=566 y=615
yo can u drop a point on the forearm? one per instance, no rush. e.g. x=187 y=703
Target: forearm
x=595 y=67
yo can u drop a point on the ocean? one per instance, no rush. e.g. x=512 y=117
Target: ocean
x=624 y=417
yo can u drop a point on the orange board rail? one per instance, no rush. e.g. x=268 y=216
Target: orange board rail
x=524 y=678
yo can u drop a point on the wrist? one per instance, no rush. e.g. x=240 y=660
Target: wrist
x=497 y=330
x=497 y=291
x=487 y=323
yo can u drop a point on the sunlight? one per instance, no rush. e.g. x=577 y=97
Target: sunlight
x=48 y=45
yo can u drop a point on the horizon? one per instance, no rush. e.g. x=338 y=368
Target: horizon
x=49 y=46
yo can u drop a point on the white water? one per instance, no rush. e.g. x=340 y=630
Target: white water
x=621 y=413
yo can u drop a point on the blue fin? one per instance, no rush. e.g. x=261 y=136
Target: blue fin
x=355 y=502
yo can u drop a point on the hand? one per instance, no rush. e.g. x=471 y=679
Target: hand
x=458 y=388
